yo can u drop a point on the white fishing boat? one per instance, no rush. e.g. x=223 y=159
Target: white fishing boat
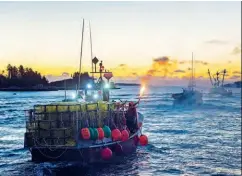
x=218 y=83
x=189 y=96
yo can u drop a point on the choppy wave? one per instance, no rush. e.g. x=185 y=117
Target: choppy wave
x=204 y=140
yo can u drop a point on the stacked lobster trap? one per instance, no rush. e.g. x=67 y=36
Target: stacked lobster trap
x=60 y=124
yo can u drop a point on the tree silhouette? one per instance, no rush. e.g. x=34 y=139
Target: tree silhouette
x=21 y=77
x=25 y=77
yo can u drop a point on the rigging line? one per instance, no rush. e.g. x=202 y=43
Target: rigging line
x=81 y=57
x=91 y=46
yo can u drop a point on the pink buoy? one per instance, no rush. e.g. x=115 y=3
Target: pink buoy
x=106 y=153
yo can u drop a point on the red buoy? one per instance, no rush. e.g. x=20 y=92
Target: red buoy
x=106 y=153
x=116 y=135
x=125 y=135
x=143 y=140
x=85 y=133
x=100 y=133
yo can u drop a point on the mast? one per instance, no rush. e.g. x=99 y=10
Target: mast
x=218 y=82
x=210 y=78
x=65 y=88
x=192 y=72
x=91 y=46
x=223 y=77
x=80 y=67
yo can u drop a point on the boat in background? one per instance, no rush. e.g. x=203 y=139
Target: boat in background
x=218 y=85
x=189 y=96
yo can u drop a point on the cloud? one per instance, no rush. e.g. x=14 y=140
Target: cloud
x=122 y=65
x=201 y=62
x=163 y=59
x=196 y=62
x=236 y=50
x=236 y=72
x=65 y=74
x=162 y=67
x=235 y=77
x=180 y=71
x=182 y=62
x=216 y=42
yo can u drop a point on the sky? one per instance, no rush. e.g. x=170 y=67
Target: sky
x=134 y=39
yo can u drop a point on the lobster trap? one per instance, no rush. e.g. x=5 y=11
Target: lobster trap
x=60 y=124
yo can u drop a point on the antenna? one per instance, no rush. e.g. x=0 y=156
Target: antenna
x=91 y=45
x=80 y=67
x=192 y=71
x=224 y=72
x=65 y=88
x=210 y=77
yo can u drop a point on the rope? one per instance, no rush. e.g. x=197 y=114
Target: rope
x=50 y=150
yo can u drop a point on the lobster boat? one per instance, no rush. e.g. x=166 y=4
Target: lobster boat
x=87 y=132
x=218 y=84
x=90 y=127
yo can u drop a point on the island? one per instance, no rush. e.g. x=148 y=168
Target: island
x=236 y=84
x=26 y=79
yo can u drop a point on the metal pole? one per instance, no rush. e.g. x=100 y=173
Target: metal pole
x=192 y=70
x=91 y=46
x=223 y=77
x=65 y=89
x=210 y=78
x=78 y=87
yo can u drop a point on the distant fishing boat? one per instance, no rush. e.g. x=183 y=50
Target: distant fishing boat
x=89 y=128
x=218 y=85
x=189 y=96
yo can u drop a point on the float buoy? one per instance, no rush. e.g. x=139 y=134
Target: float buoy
x=95 y=134
x=85 y=133
x=91 y=133
x=100 y=133
x=106 y=153
x=107 y=131
x=116 y=135
x=125 y=135
x=143 y=140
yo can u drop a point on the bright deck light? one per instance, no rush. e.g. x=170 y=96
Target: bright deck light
x=95 y=96
x=106 y=86
x=89 y=86
x=73 y=96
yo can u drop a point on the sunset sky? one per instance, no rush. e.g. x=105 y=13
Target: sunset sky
x=134 y=38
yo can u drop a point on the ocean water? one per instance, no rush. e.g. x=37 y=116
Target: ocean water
x=203 y=140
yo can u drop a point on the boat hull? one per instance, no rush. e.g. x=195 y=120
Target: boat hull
x=84 y=155
x=220 y=91
x=188 y=98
